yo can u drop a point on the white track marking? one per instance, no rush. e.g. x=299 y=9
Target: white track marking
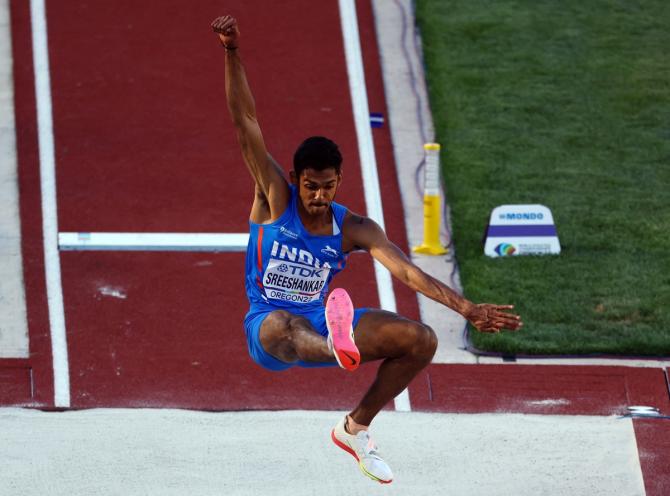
x=235 y=242
x=366 y=151
x=113 y=292
x=49 y=207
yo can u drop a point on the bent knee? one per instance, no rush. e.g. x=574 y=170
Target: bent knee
x=423 y=340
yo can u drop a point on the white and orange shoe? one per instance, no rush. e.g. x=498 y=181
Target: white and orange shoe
x=363 y=449
x=339 y=320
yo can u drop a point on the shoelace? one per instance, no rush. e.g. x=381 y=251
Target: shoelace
x=369 y=447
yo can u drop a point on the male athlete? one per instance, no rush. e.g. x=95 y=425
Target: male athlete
x=299 y=239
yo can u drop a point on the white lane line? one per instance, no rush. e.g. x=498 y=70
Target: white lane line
x=214 y=242
x=373 y=197
x=49 y=208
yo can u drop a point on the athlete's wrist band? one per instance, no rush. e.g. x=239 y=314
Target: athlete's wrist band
x=229 y=47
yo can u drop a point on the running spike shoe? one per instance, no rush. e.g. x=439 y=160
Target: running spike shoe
x=364 y=450
x=339 y=319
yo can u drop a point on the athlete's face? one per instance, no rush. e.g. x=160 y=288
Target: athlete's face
x=317 y=189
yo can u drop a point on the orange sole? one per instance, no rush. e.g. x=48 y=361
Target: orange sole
x=346 y=448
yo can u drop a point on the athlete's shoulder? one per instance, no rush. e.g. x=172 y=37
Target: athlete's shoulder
x=359 y=232
x=352 y=220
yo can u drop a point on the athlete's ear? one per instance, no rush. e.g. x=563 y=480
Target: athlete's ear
x=293 y=177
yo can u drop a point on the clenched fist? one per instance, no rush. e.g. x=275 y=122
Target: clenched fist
x=226 y=28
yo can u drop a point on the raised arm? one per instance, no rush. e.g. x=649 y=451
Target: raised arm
x=269 y=179
x=364 y=233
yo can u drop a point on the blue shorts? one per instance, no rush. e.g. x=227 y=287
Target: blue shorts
x=252 y=328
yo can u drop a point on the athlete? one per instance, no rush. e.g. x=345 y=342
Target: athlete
x=299 y=239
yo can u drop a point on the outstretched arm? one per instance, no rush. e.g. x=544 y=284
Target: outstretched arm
x=364 y=233
x=268 y=177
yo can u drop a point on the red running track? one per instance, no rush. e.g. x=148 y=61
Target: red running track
x=144 y=143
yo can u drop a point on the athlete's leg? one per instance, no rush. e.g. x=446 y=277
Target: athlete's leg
x=290 y=338
x=405 y=346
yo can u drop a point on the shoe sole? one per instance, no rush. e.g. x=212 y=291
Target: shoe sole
x=346 y=448
x=339 y=320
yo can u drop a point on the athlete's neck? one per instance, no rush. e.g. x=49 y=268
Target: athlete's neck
x=320 y=224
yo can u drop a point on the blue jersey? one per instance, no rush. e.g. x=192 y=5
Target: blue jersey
x=289 y=268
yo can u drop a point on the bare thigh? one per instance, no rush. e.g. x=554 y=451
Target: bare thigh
x=290 y=338
x=381 y=334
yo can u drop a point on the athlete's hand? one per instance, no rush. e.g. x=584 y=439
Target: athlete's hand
x=493 y=318
x=226 y=28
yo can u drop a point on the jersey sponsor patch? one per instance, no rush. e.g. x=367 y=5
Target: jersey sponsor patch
x=293 y=281
x=288 y=233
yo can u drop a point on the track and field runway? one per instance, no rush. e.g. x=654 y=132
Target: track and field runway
x=143 y=143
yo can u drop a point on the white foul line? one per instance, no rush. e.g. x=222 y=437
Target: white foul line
x=212 y=242
x=49 y=209
x=366 y=151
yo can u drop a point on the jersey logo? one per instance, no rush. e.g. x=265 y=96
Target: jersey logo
x=331 y=252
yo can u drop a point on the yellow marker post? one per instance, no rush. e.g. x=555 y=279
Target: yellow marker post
x=431 y=204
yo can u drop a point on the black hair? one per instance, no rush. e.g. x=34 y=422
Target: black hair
x=317 y=153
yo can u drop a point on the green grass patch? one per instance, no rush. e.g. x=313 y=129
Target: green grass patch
x=564 y=103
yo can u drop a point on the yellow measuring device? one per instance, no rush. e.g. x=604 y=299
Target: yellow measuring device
x=431 y=244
